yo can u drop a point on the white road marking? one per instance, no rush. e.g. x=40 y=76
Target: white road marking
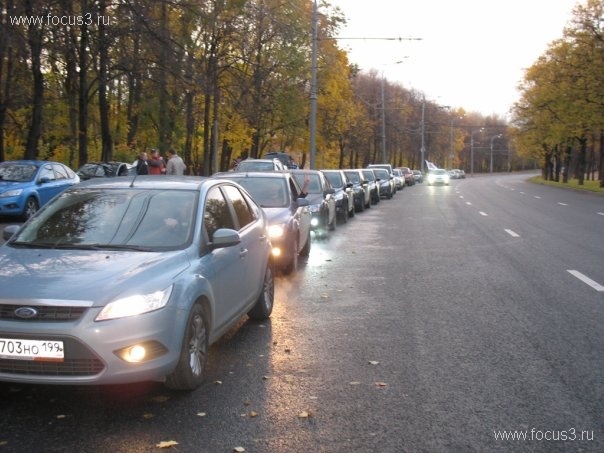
x=461 y=196
x=595 y=285
x=483 y=213
x=512 y=233
x=522 y=193
x=562 y=204
x=600 y=213
x=538 y=197
x=468 y=203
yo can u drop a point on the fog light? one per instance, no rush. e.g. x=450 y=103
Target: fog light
x=276 y=251
x=314 y=222
x=136 y=353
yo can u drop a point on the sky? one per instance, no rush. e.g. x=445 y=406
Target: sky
x=472 y=53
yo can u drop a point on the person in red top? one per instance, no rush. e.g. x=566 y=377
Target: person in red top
x=156 y=163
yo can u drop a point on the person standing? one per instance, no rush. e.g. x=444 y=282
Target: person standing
x=156 y=163
x=142 y=168
x=175 y=166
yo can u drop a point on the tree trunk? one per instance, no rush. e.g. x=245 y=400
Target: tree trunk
x=106 y=140
x=83 y=91
x=34 y=38
x=581 y=160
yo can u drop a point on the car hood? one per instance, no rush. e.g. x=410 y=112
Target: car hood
x=84 y=275
x=7 y=185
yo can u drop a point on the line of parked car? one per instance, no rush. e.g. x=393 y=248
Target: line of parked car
x=127 y=279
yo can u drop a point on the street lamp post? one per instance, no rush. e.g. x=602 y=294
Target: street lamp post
x=472 y=149
x=491 y=159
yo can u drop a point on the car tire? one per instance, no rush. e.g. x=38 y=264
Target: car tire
x=306 y=249
x=31 y=206
x=292 y=265
x=263 y=307
x=188 y=374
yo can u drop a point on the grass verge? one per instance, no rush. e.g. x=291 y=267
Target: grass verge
x=588 y=186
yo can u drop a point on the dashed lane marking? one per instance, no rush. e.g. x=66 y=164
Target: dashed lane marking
x=483 y=213
x=512 y=233
x=585 y=279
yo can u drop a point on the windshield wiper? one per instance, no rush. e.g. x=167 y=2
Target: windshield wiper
x=76 y=246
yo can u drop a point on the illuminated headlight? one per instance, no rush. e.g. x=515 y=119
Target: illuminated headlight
x=276 y=231
x=135 y=305
x=431 y=178
x=447 y=179
x=11 y=193
x=314 y=222
x=276 y=251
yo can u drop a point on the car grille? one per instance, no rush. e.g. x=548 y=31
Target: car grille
x=79 y=361
x=46 y=314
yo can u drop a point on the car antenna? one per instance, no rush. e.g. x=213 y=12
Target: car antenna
x=134 y=179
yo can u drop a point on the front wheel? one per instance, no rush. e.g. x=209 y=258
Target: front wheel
x=31 y=206
x=263 y=307
x=188 y=374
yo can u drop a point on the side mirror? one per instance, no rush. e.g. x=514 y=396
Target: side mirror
x=330 y=191
x=9 y=231
x=44 y=180
x=302 y=202
x=224 y=237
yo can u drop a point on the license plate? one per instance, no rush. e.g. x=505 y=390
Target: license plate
x=38 y=350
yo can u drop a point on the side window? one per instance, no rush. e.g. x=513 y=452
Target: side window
x=47 y=172
x=216 y=213
x=242 y=210
x=60 y=171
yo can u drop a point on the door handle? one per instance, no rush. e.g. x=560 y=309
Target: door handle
x=243 y=253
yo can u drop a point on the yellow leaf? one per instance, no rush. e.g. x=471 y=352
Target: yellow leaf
x=303 y=414
x=253 y=414
x=166 y=444
x=147 y=416
x=355 y=383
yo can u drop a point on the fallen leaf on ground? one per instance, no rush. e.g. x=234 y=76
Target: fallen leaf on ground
x=288 y=350
x=147 y=415
x=166 y=444
x=160 y=398
x=218 y=382
x=247 y=402
x=239 y=449
x=374 y=362
x=201 y=414
x=355 y=383
x=61 y=416
x=3 y=442
x=253 y=414
x=303 y=414
x=381 y=384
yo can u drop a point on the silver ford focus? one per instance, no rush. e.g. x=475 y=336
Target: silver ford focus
x=131 y=279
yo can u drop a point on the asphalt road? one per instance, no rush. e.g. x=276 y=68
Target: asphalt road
x=440 y=320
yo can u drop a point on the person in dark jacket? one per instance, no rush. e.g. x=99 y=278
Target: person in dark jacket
x=141 y=164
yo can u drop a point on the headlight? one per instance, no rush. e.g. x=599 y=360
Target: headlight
x=314 y=222
x=276 y=231
x=11 y=193
x=447 y=178
x=135 y=305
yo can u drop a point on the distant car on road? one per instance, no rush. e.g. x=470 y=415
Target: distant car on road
x=344 y=195
x=116 y=281
x=438 y=176
x=372 y=183
x=27 y=185
x=418 y=176
x=286 y=159
x=288 y=214
x=362 y=197
x=321 y=199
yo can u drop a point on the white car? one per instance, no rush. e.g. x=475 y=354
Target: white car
x=438 y=176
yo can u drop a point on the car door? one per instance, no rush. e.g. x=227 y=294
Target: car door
x=46 y=184
x=302 y=214
x=224 y=267
x=254 y=242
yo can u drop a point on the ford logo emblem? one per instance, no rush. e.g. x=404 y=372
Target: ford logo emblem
x=26 y=312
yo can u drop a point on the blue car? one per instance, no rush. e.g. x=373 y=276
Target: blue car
x=27 y=185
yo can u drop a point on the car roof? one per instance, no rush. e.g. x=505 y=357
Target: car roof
x=30 y=162
x=146 y=182
x=251 y=174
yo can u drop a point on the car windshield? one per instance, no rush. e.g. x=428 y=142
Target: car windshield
x=369 y=175
x=268 y=192
x=314 y=182
x=17 y=172
x=382 y=174
x=93 y=171
x=141 y=219
x=354 y=177
x=335 y=179
x=439 y=172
